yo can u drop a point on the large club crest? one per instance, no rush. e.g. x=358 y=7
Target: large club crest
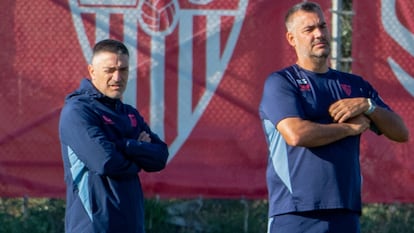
x=158 y=19
x=396 y=30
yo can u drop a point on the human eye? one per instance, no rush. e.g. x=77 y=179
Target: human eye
x=308 y=29
x=123 y=69
x=109 y=70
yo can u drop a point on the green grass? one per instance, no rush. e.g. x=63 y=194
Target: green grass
x=380 y=218
x=43 y=215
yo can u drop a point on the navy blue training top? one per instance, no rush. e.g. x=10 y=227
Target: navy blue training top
x=101 y=157
x=324 y=177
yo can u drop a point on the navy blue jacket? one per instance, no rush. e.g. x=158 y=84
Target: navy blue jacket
x=101 y=157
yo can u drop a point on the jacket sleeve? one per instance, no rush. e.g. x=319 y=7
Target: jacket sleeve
x=148 y=156
x=81 y=130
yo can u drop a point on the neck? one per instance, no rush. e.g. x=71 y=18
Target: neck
x=317 y=65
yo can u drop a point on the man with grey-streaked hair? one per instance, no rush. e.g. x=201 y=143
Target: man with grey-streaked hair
x=313 y=117
x=105 y=143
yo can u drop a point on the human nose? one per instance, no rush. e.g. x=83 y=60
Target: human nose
x=321 y=32
x=318 y=33
x=116 y=75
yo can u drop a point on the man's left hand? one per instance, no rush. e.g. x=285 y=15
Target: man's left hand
x=344 y=109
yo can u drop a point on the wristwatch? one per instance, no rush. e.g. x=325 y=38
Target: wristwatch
x=371 y=108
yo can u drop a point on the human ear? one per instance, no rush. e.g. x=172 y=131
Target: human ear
x=91 y=71
x=291 y=39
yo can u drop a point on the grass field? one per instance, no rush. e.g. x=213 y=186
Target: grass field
x=34 y=215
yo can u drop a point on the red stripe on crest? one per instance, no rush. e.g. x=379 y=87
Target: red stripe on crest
x=171 y=87
x=116 y=30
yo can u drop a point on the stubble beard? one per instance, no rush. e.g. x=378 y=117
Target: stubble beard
x=320 y=57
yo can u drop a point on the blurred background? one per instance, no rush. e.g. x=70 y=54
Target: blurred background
x=197 y=72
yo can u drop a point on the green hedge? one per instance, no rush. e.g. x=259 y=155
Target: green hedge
x=42 y=215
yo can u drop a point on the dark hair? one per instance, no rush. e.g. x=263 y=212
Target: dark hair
x=303 y=6
x=110 y=45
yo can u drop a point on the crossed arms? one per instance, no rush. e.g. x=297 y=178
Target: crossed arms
x=349 y=120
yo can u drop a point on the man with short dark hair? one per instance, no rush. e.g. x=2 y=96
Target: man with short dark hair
x=105 y=143
x=313 y=117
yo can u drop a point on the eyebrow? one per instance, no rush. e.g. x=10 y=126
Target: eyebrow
x=321 y=24
x=122 y=68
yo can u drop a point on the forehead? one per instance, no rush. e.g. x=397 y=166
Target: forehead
x=302 y=19
x=110 y=58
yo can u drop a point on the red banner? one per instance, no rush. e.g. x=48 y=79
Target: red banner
x=197 y=72
x=383 y=54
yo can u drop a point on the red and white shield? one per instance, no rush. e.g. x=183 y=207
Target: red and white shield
x=179 y=51
x=396 y=30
